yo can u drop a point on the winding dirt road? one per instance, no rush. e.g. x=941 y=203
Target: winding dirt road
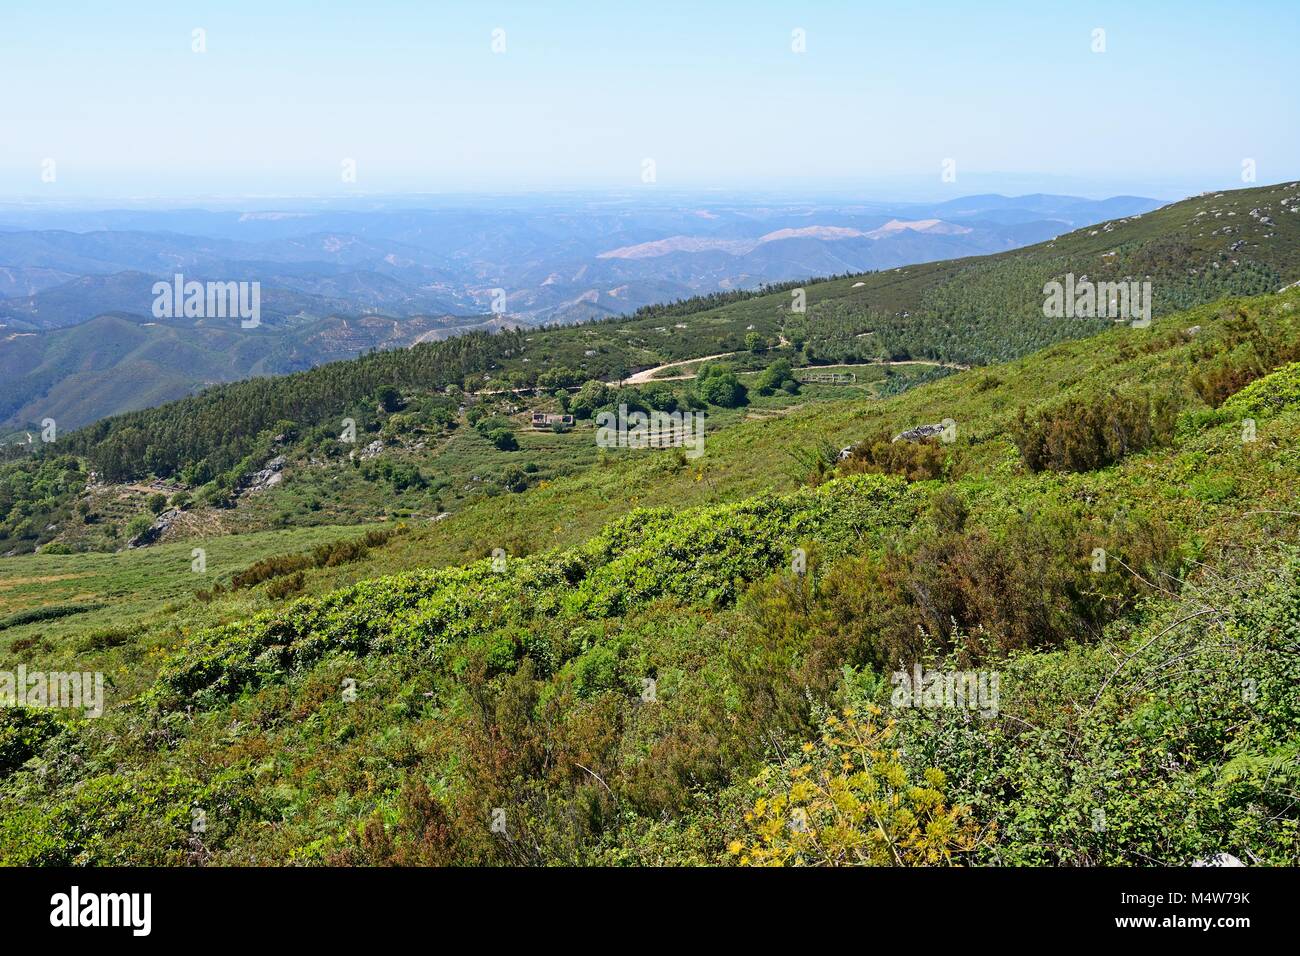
x=649 y=375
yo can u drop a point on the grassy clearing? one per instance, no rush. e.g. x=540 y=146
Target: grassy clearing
x=141 y=602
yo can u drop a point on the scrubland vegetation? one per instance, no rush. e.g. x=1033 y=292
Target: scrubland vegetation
x=673 y=662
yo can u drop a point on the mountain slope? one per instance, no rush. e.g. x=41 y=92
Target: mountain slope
x=552 y=264
x=120 y=362
x=646 y=692
x=966 y=311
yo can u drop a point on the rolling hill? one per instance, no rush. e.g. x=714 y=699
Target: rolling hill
x=420 y=272
x=530 y=649
x=966 y=311
x=119 y=362
x=643 y=678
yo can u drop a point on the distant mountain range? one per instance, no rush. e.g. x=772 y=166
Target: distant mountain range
x=78 y=339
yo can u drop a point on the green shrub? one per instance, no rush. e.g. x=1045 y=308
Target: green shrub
x=778 y=375
x=913 y=460
x=138 y=526
x=103 y=638
x=1267 y=395
x=983 y=592
x=323 y=556
x=1215 y=489
x=503 y=438
x=1246 y=352
x=49 y=612
x=22 y=733
x=1084 y=434
x=281 y=588
x=389 y=398
x=718 y=385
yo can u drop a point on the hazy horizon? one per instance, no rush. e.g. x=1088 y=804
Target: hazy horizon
x=899 y=192
x=158 y=102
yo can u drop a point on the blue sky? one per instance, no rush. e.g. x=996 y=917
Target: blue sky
x=585 y=92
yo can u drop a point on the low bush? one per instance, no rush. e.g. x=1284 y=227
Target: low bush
x=847 y=800
x=49 y=612
x=1084 y=434
x=913 y=460
x=323 y=556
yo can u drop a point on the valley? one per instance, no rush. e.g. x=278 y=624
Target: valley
x=413 y=608
x=80 y=340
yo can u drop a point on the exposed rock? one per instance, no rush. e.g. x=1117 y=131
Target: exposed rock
x=156 y=530
x=920 y=432
x=268 y=477
x=371 y=450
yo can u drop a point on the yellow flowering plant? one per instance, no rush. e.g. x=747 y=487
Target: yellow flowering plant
x=847 y=801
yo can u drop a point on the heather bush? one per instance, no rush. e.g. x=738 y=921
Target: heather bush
x=1083 y=434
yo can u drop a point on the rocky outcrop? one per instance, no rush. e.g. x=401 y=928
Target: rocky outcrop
x=370 y=451
x=268 y=477
x=156 y=530
x=920 y=432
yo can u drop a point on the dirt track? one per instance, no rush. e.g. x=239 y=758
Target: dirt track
x=648 y=375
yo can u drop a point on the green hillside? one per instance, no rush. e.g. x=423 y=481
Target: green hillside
x=971 y=312
x=671 y=661
x=119 y=362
